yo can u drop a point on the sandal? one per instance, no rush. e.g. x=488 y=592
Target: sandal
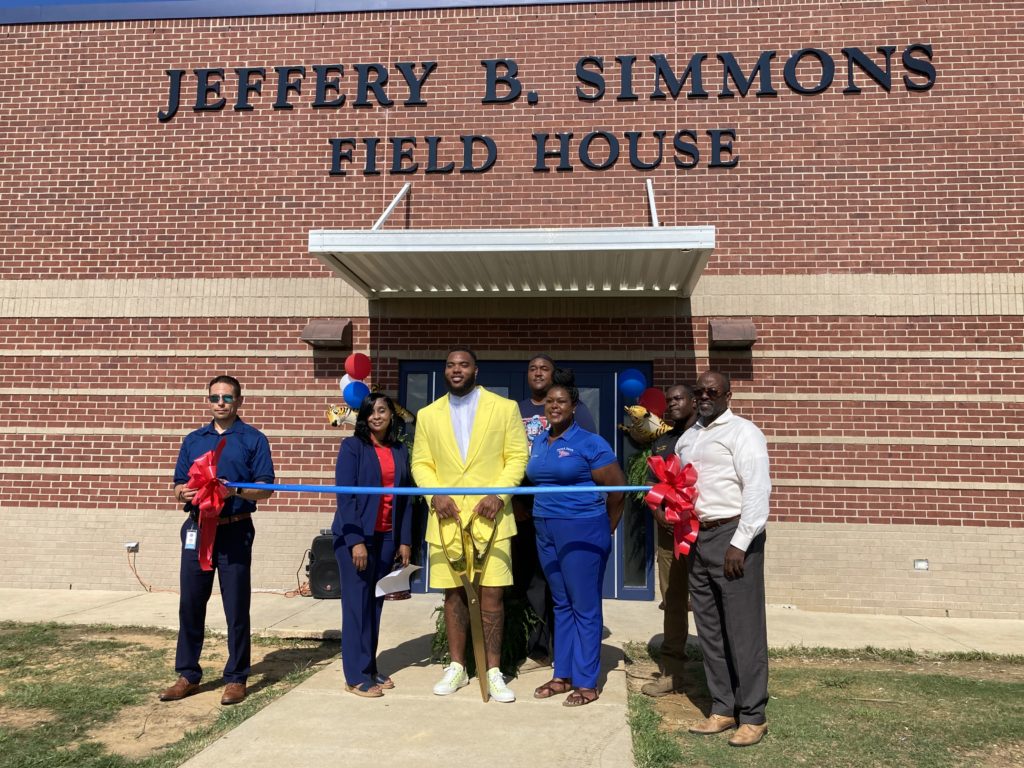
x=553 y=687
x=383 y=681
x=367 y=690
x=580 y=696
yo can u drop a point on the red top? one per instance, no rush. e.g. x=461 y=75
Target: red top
x=387 y=475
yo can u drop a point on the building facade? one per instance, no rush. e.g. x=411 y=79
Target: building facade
x=839 y=182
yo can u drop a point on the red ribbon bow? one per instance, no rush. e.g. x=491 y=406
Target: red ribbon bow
x=675 y=490
x=202 y=476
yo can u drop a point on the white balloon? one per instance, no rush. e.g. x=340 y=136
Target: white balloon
x=345 y=381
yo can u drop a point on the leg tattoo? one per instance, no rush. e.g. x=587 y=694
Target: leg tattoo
x=493 y=623
x=456 y=617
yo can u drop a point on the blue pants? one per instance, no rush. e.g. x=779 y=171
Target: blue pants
x=574 y=553
x=360 y=610
x=232 y=558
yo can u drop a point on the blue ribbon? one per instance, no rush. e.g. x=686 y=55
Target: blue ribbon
x=517 y=491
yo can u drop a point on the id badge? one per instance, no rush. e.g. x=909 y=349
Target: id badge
x=191 y=537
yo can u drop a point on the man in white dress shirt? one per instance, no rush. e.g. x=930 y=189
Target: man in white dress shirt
x=726 y=564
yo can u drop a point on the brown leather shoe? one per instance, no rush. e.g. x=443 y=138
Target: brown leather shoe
x=714 y=724
x=179 y=690
x=663 y=686
x=748 y=734
x=234 y=693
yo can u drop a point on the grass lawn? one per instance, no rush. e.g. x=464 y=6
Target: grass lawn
x=85 y=696
x=848 y=708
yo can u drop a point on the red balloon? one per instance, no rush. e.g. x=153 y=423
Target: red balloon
x=653 y=399
x=357 y=365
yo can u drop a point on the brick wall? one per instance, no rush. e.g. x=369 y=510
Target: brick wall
x=873 y=237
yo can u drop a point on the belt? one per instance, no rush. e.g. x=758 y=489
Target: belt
x=227 y=520
x=234 y=518
x=712 y=524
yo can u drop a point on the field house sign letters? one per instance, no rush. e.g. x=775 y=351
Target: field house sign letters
x=807 y=72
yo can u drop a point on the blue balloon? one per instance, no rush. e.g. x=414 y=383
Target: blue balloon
x=633 y=373
x=631 y=389
x=632 y=383
x=354 y=394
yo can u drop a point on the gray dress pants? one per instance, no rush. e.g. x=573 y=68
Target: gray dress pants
x=730 y=620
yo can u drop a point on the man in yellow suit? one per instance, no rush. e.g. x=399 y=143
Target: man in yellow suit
x=470 y=438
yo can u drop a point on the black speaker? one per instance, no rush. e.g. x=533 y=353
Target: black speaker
x=324 y=579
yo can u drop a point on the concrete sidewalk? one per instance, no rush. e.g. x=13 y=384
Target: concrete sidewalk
x=317 y=722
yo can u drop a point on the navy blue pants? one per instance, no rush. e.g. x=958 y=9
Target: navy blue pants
x=529 y=584
x=360 y=610
x=574 y=553
x=232 y=558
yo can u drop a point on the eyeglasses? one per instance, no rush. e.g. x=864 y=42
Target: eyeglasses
x=227 y=399
x=711 y=392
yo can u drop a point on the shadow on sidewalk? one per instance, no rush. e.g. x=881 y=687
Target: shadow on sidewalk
x=414 y=652
x=282 y=662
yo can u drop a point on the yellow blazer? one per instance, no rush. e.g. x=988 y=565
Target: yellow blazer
x=496 y=457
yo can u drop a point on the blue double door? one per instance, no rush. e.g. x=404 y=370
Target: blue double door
x=630 y=573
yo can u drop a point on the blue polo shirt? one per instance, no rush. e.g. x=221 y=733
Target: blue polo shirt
x=569 y=460
x=245 y=459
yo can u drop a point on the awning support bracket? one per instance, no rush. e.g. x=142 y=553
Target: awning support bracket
x=652 y=205
x=394 y=204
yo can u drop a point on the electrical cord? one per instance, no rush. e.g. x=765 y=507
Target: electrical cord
x=302 y=588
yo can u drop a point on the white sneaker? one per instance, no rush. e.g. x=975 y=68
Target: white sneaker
x=455 y=677
x=497 y=688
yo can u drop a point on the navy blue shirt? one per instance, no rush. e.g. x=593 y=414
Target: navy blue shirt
x=569 y=460
x=245 y=459
x=536 y=422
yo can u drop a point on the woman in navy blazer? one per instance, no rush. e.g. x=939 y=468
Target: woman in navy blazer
x=368 y=531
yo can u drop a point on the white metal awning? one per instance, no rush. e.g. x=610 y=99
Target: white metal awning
x=637 y=261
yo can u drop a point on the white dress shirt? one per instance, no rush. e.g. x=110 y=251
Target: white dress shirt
x=731 y=458
x=463 y=414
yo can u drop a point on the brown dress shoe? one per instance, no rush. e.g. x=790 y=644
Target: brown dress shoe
x=179 y=690
x=714 y=724
x=748 y=734
x=663 y=686
x=234 y=693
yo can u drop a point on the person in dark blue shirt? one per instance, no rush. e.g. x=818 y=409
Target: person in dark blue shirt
x=245 y=459
x=529 y=583
x=574 y=536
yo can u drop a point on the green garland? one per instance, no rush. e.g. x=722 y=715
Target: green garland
x=637 y=471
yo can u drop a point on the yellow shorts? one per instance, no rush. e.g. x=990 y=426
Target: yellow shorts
x=497 y=567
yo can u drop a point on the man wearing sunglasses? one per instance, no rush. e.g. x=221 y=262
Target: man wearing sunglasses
x=726 y=564
x=245 y=459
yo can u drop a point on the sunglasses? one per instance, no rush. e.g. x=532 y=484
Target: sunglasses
x=711 y=392
x=227 y=399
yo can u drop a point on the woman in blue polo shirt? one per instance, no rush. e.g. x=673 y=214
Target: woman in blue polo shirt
x=574 y=536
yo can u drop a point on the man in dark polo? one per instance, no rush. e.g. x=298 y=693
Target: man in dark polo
x=530 y=584
x=681 y=410
x=726 y=562
x=245 y=459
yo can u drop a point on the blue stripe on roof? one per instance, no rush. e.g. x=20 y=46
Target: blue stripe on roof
x=48 y=11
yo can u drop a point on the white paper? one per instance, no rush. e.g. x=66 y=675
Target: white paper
x=396 y=581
